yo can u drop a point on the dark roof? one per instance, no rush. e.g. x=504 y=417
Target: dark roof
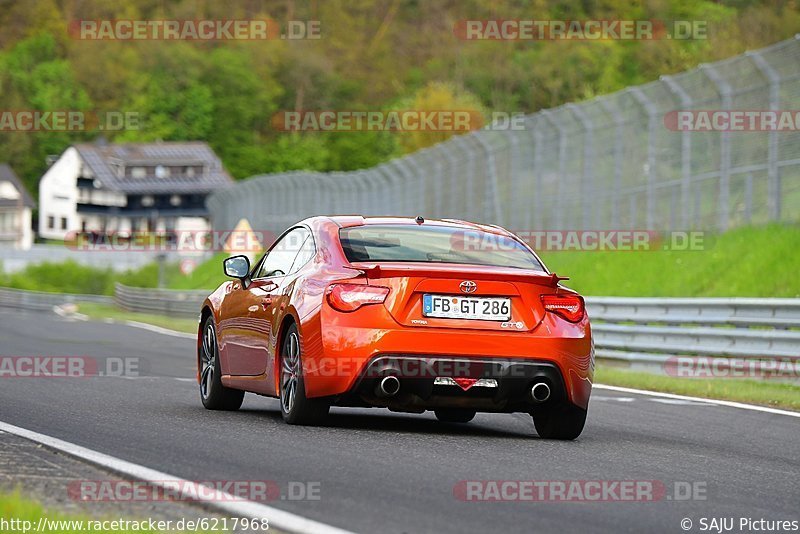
x=99 y=158
x=7 y=175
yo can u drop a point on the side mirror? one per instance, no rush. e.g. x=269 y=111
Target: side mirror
x=237 y=267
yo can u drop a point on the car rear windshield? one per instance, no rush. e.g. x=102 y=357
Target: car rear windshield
x=434 y=244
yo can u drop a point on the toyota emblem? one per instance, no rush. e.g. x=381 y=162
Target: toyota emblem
x=468 y=286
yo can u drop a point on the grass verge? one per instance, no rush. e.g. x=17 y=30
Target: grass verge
x=761 y=392
x=24 y=515
x=104 y=311
x=756 y=261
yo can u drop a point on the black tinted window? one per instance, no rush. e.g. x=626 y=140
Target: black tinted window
x=280 y=258
x=434 y=244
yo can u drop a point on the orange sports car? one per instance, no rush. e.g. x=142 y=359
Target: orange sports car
x=406 y=314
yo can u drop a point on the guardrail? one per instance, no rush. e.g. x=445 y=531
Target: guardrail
x=160 y=301
x=40 y=300
x=651 y=330
x=643 y=331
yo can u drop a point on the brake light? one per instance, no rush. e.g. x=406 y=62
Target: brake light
x=350 y=297
x=570 y=307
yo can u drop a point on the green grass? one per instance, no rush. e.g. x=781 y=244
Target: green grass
x=744 y=262
x=72 y=277
x=761 y=392
x=13 y=506
x=104 y=311
x=207 y=275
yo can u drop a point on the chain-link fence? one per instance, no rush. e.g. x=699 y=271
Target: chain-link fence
x=612 y=162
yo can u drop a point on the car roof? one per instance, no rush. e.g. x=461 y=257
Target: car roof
x=347 y=221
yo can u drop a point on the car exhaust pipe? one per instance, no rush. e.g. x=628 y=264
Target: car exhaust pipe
x=389 y=386
x=540 y=392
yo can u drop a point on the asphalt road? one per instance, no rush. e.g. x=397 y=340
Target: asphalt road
x=384 y=472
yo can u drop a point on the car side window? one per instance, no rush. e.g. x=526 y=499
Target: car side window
x=307 y=251
x=281 y=256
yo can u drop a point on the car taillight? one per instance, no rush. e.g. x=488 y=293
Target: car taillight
x=570 y=307
x=350 y=297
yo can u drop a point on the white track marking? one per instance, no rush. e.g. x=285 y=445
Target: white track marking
x=159 y=330
x=603 y=398
x=278 y=519
x=730 y=404
x=681 y=402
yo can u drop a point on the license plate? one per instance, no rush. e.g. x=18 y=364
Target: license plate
x=455 y=307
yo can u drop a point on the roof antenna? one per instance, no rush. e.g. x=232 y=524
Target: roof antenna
x=419 y=219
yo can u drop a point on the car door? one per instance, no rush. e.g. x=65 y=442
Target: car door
x=248 y=333
x=283 y=295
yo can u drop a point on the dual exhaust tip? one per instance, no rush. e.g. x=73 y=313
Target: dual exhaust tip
x=540 y=392
x=389 y=386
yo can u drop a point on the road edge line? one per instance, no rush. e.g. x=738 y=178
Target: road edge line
x=159 y=329
x=278 y=519
x=719 y=402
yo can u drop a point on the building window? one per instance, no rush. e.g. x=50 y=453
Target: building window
x=162 y=172
x=63 y=223
x=148 y=201
x=51 y=222
x=190 y=172
x=175 y=200
x=138 y=172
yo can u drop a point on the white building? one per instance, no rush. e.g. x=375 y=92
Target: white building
x=15 y=211
x=126 y=188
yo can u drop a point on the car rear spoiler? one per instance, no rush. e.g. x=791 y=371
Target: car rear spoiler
x=373 y=271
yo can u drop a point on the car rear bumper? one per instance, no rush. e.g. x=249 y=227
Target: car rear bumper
x=430 y=382
x=341 y=362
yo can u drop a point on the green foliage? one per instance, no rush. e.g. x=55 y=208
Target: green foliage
x=208 y=275
x=745 y=262
x=15 y=506
x=370 y=56
x=71 y=277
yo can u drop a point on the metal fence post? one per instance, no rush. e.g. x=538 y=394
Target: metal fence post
x=421 y=197
x=562 y=166
x=650 y=169
x=686 y=151
x=470 y=186
x=612 y=110
x=516 y=198
x=587 y=183
x=773 y=172
x=538 y=215
x=725 y=92
x=491 y=208
x=449 y=211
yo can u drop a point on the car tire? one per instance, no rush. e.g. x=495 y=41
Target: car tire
x=563 y=422
x=213 y=394
x=454 y=415
x=296 y=408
